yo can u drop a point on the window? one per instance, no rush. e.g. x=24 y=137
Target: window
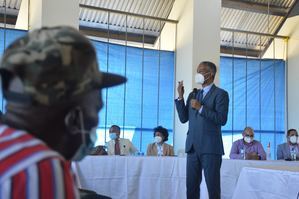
x=145 y=101
x=256 y=90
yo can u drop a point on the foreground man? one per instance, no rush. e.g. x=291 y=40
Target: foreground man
x=52 y=84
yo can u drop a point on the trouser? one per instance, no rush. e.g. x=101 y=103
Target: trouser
x=211 y=164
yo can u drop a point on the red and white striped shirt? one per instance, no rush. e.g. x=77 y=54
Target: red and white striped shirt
x=29 y=169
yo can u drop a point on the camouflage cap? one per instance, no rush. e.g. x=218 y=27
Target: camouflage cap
x=54 y=64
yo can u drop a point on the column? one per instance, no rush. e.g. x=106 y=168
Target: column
x=48 y=13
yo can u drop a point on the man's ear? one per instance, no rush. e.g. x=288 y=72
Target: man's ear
x=72 y=120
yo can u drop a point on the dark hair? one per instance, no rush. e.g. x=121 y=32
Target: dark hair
x=289 y=131
x=212 y=67
x=116 y=127
x=162 y=130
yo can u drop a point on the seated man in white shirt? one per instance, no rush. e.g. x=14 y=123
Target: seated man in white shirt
x=117 y=145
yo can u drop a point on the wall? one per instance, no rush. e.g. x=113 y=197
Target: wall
x=184 y=67
x=292 y=73
x=290 y=50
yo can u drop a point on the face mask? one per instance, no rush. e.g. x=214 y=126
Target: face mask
x=88 y=140
x=293 y=139
x=158 y=139
x=248 y=139
x=112 y=136
x=200 y=78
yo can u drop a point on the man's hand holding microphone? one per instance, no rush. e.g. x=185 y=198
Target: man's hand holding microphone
x=195 y=104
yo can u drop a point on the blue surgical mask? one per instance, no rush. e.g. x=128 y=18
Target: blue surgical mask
x=113 y=136
x=87 y=145
x=88 y=139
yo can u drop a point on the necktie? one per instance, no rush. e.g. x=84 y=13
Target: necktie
x=200 y=96
x=117 y=149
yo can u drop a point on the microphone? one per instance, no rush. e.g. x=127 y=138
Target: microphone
x=194 y=93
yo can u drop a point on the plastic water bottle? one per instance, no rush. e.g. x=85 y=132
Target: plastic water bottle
x=269 y=151
x=293 y=154
x=242 y=152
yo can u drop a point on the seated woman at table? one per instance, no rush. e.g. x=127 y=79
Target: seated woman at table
x=285 y=150
x=159 y=147
x=247 y=148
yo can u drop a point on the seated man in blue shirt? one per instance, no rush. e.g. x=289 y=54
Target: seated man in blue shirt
x=290 y=149
x=247 y=148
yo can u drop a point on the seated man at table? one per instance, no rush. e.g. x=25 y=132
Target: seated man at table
x=285 y=150
x=159 y=147
x=247 y=148
x=117 y=145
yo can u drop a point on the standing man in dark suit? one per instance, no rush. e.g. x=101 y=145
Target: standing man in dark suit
x=206 y=110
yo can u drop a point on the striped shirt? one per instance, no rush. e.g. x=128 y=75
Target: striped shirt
x=29 y=169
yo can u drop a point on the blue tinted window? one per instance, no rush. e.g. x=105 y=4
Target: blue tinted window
x=256 y=89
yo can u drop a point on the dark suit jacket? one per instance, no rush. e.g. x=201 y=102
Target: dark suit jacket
x=204 y=132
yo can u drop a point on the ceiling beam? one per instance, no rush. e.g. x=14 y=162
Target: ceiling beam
x=10 y=19
x=279 y=27
x=118 y=35
x=240 y=51
x=255 y=7
x=127 y=13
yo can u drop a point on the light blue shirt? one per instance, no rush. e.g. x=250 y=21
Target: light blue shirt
x=205 y=91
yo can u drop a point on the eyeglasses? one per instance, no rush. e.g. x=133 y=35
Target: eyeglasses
x=249 y=135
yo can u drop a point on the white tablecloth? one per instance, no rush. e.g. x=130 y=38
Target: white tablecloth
x=157 y=177
x=265 y=183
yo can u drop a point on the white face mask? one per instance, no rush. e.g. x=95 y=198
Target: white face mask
x=293 y=139
x=248 y=139
x=158 y=139
x=199 y=78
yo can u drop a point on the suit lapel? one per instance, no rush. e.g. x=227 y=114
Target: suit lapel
x=164 y=149
x=155 y=149
x=287 y=150
x=209 y=94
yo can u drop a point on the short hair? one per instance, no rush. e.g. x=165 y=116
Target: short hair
x=290 y=130
x=248 y=128
x=162 y=130
x=212 y=67
x=115 y=126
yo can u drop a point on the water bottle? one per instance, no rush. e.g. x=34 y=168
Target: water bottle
x=293 y=154
x=269 y=151
x=242 y=152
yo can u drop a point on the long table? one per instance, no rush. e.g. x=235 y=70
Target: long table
x=267 y=183
x=130 y=177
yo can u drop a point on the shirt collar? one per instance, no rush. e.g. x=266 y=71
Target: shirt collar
x=207 y=88
x=159 y=144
